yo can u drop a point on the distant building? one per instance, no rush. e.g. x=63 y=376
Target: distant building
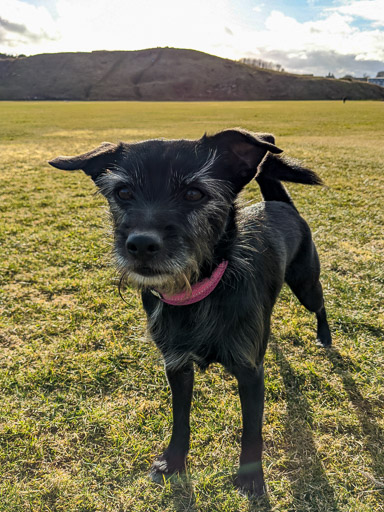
x=377 y=81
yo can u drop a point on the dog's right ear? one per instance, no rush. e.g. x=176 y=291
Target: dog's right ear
x=93 y=163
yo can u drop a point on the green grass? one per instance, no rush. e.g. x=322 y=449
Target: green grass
x=85 y=406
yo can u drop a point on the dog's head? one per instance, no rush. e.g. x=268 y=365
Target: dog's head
x=170 y=199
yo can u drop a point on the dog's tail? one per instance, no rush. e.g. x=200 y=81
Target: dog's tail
x=274 y=169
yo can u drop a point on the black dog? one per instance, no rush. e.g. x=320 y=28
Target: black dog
x=209 y=271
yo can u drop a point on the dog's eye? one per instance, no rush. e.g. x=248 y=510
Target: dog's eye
x=193 y=195
x=124 y=194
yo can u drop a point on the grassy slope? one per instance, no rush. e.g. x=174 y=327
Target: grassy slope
x=84 y=401
x=162 y=74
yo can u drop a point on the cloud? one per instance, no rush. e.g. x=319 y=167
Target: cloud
x=23 y=25
x=372 y=10
x=320 y=63
x=333 y=42
x=8 y=26
x=258 y=8
x=119 y=25
x=11 y=32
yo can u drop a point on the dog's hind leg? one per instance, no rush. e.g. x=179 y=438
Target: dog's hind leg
x=312 y=298
x=250 y=477
x=173 y=460
x=302 y=277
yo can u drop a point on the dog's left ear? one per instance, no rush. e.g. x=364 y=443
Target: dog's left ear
x=243 y=152
x=93 y=163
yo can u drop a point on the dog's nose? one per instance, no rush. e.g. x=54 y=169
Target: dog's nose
x=143 y=245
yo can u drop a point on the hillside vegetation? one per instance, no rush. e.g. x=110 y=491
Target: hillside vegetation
x=162 y=74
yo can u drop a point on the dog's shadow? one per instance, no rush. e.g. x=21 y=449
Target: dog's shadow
x=309 y=482
x=306 y=469
x=183 y=494
x=184 y=499
x=372 y=433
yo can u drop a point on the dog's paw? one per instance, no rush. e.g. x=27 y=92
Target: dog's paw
x=165 y=468
x=323 y=343
x=250 y=483
x=324 y=338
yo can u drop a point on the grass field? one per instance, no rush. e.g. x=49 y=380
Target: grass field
x=84 y=405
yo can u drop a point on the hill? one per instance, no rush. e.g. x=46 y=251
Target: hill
x=162 y=74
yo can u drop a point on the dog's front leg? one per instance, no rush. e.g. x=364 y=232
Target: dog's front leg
x=251 y=389
x=174 y=458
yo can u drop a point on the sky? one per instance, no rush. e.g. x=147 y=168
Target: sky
x=303 y=36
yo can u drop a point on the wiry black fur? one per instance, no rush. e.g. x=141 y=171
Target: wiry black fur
x=164 y=241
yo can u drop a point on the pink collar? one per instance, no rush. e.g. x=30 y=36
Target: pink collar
x=198 y=291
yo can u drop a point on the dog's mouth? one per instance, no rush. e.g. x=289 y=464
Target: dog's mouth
x=144 y=277
x=169 y=276
x=146 y=271
x=149 y=279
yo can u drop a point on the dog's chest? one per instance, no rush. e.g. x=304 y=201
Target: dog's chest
x=214 y=330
